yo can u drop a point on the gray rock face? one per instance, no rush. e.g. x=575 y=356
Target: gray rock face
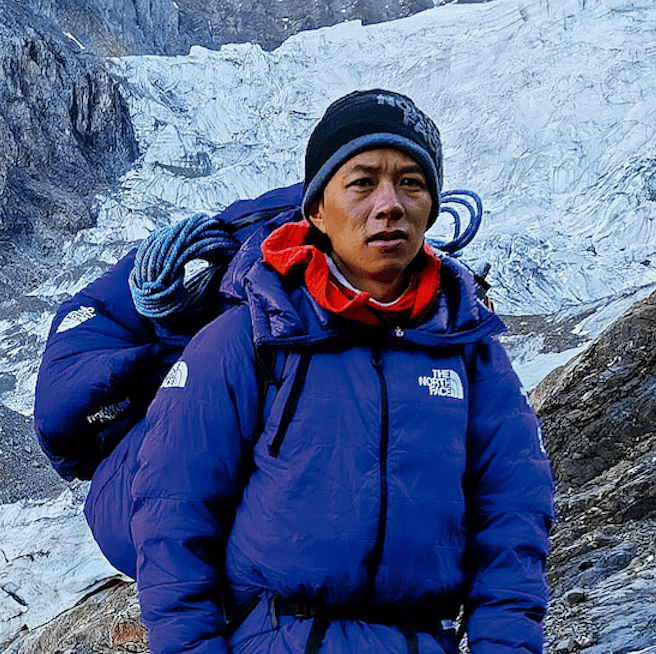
x=24 y=469
x=270 y=23
x=600 y=408
x=122 y=27
x=116 y=27
x=65 y=135
x=598 y=416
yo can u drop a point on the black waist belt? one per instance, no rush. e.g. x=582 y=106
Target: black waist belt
x=408 y=622
x=422 y=620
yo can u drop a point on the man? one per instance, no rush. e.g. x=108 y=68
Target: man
x=392 y=474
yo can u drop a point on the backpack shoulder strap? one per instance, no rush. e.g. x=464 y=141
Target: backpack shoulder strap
x=292 y=402
x=271 y=363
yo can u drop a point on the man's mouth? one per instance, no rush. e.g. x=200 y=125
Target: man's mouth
x=388 y=239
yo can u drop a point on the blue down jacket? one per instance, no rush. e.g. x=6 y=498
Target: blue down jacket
x=410 y=475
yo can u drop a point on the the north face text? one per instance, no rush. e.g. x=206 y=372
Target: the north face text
x=444 y=383
x=412 y=116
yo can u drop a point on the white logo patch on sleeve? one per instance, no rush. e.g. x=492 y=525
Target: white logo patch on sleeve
x=444 y=383
x=76 y=318
x=177 y=376
x=110 y=412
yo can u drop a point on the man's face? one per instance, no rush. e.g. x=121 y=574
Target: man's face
x=375 y=210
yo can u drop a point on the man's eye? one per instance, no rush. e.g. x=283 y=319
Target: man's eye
x=362 y=182
x=413 y=182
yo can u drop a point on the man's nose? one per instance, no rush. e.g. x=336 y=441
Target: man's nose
x=387 y=201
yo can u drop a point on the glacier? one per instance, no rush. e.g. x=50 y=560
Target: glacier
x=547 y=109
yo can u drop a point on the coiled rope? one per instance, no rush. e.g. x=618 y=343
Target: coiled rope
x=460 y=240
x=160 y=288
x=157 y=281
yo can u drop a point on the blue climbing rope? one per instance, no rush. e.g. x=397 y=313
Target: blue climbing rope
x=157 y=281
x=475 y=210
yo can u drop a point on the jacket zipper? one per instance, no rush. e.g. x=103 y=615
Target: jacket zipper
x=377 y=551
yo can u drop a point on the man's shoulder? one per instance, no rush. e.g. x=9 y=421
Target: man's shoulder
x=231 y=330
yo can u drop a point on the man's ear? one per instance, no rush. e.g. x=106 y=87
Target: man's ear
x=315 y=216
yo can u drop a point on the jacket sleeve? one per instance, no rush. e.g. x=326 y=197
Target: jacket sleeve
x=188 y=484
x=509 y=492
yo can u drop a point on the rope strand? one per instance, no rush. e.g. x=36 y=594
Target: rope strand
x=460 y=240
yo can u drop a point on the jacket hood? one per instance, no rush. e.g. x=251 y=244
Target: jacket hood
x=283 y=312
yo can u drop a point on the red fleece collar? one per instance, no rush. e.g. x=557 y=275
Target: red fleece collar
x=290 y=246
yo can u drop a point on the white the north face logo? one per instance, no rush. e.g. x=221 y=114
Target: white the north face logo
x=444 y=383
x=75 y=318
x=177 y=377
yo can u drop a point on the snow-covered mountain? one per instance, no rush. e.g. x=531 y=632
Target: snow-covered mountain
x=547 y=110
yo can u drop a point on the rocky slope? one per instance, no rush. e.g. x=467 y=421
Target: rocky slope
x=106 y=622
x=599 y=417
x=24 y=469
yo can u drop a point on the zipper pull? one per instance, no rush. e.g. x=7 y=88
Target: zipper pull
x=376 y=357
x=399 y=333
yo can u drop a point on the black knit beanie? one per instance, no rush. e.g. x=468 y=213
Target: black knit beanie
x=365 y=120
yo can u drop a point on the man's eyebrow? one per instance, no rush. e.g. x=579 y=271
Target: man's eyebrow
x=412 y=168
x=363 y=168
x=404 y=170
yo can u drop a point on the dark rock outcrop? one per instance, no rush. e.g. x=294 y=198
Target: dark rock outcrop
x=117 y=27
x=66 y=134
x=25 y=472
x=270 y=23
x=599 y=415
x=600 y=408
